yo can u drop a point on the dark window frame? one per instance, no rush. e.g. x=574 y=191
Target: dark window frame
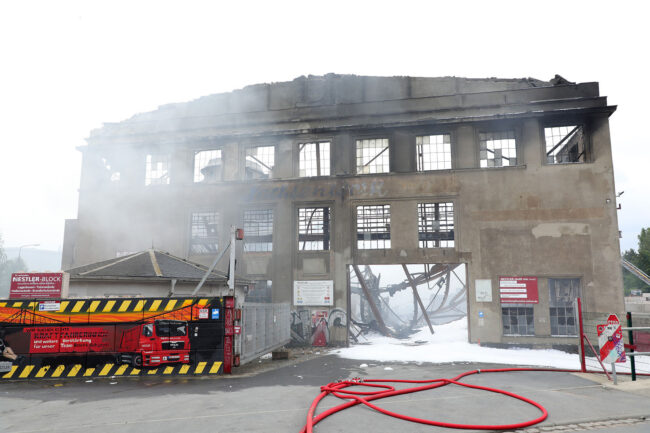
x=419 y=151
x=370 y=231
x=562 y=314
x=513 y=314
x=257 y=237
x=319 y=159
x=308 y=234
x=220 y=149
x=246 y=173
x=486 y=131
x=437 y=235
x=209 y=241
x=586 y=153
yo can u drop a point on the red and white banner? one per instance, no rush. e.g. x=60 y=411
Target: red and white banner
x=518 y=290
x=38 y=285
x=610 y=341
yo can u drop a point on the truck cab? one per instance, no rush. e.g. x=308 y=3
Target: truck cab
x=155 y=343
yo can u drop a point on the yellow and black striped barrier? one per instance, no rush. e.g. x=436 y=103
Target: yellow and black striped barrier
x=21 y=320
x=110 y=370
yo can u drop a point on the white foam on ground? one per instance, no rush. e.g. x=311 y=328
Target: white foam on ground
x=449 y=344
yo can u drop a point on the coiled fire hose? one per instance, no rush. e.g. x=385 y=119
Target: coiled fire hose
x=378 y=389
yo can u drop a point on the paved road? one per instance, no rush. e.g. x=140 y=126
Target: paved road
x=276 y=400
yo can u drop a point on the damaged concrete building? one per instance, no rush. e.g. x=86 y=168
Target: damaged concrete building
x=511 y=177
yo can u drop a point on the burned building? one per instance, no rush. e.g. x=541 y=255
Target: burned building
x=511 y=178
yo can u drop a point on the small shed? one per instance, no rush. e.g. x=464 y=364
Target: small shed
x=148 y=273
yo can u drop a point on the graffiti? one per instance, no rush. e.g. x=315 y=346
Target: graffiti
x=319 y=327
x=300 y=192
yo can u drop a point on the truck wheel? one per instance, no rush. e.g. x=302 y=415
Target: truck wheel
x=137 y=361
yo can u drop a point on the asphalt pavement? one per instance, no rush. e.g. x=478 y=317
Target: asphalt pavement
x=273 y=396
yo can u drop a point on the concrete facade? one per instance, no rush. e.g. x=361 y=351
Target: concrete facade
x=529 y=218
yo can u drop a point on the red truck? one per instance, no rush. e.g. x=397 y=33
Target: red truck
x=155 y=343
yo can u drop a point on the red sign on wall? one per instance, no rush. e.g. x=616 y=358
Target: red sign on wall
x=518 y=290
x=33 y=285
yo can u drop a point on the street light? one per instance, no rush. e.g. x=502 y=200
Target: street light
x=23 y=246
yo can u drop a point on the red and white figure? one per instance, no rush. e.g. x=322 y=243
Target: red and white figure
x=610 y=341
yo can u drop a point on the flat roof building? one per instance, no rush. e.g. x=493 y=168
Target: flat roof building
x=511 y=178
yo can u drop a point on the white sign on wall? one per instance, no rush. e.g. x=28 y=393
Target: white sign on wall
x=483 y=290
x=313 y=292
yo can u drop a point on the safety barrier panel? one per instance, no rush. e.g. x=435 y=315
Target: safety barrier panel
x=87 y=338
x=265 y=327
x=638 y=355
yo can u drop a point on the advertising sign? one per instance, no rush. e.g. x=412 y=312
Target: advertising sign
x=518 y=290
x=38 y=285
x=313 y=292
x=120 y=336
x=610 y=341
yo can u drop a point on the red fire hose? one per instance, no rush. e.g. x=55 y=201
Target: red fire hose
x=380 y=389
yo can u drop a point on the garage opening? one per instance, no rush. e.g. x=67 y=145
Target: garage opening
x=398 y=300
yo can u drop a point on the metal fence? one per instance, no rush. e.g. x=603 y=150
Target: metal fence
x=635 y=364
x=265 y=327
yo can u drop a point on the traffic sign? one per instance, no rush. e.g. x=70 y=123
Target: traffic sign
x=610 y=340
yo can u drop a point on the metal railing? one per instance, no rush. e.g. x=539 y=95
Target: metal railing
x=590 y=356
x=265 y=327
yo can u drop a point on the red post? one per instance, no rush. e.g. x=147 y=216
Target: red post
x=583 y=365
x=229 y=331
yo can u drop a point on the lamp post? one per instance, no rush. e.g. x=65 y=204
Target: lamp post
x=23 y=246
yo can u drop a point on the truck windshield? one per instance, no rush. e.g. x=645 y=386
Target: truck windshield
x=171 y=329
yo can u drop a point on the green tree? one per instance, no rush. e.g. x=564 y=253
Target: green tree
x=8 y=267
x=640 y=259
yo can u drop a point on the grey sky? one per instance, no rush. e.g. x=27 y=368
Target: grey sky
x=67 y=67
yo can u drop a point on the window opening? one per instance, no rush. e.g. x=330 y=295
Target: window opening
x=373 y=226
x=372 y=156
x=314 y=229
x=565 y=144
x=205 y=233
x=157 y=169
x=436 y=225
x=518 y=320
x=497 y=149
x=434 y=152
x=113 y=174
x=260 y=291
x=259 y=162
x=258 y=229
x=208 y=166
x=563 y=292
x=314 y=159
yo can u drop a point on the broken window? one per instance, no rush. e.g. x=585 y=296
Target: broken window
x=260 y=291
x=433 y=152
x=112 y=173
x=497 y=149
x=157 y=169
x=314 y=159
x=258 y=230
x=205 y=233
x=259 y=162
x=372 y=156
x=563 y=292
x=436 y=225
x=518 y=320
x=565 y=144
x=313 y=228
x=373 y=226
x=208 y=166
